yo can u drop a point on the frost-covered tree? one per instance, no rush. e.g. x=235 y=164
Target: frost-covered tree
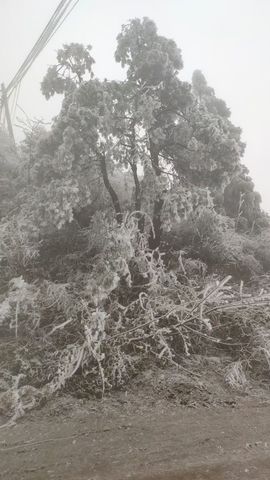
x=169 y=134
x=74 y=62
x=118 y=212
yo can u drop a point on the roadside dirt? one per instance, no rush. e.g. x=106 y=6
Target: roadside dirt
x=142 y=435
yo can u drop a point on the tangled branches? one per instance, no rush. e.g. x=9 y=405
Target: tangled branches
x=129 y=309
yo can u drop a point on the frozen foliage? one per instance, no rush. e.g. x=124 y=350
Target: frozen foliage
x=126 y=230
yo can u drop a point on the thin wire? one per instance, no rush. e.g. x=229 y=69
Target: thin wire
x=56 y=21
x=52 y=26
x=69 y=12
x=57 y=26
x=37 y=45
x=25 y=114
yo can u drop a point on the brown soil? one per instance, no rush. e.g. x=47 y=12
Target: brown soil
x=143 y=435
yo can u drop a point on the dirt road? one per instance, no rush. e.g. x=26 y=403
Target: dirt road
x=131 y=438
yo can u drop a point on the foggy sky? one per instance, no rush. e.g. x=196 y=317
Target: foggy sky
x=228 y=40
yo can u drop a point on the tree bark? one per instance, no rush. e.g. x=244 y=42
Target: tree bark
x=110 y=189
x=138 y=200
x=154 y=154
x=133 y=166
x=155 y=239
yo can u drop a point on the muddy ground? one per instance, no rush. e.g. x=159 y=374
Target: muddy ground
x=168 y=426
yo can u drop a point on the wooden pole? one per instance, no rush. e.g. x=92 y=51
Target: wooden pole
x=7 y=113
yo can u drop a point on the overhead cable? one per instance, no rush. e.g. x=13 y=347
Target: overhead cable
x=63 y=10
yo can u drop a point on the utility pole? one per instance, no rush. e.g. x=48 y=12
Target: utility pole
x=7 y=113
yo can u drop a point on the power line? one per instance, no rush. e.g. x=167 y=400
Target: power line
x=63 y=10
x=34 y=50
x=69 y=12
x=55 y=22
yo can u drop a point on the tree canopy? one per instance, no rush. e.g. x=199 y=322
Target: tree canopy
x=171 y=135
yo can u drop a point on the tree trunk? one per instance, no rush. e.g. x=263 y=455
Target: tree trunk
x=155 y=239
x=110 y=189
x=133 y=165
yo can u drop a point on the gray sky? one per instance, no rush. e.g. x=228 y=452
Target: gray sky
x=228 y=40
